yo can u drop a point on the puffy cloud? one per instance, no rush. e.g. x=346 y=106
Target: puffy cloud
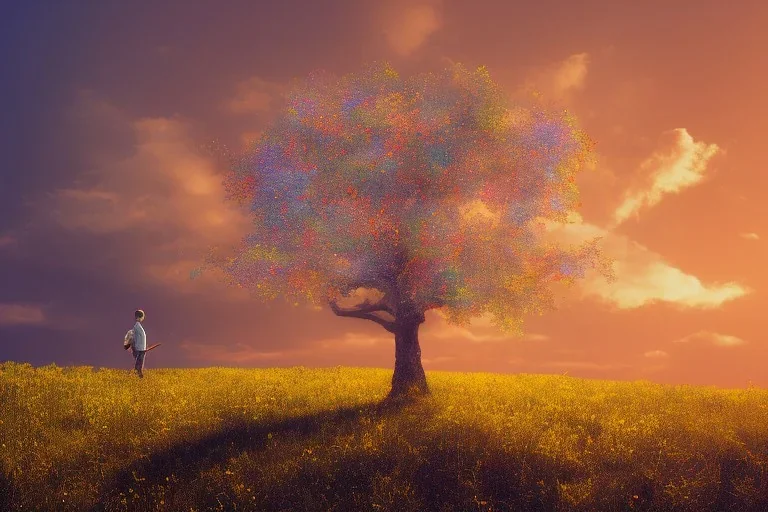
x=560 y=79
x=657 y=281
x=713 y=338
x=164 y=190
x=164 y=183
x=570 y=73
x=750 y=236
x=681 y=164
x=408 y=24
x=254 y=95
x=21 y=314
x=642 y=276
x=656 y=354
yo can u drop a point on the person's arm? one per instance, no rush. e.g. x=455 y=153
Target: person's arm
x=139 y=338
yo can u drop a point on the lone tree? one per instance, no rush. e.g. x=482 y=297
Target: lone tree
x=430 y=191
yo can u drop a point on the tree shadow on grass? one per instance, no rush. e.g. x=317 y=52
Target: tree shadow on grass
x=6 y=491
x=421 y=471
x=188 y=459
x=462 y=469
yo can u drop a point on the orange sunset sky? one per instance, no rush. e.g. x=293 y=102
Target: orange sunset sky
x=107 y=201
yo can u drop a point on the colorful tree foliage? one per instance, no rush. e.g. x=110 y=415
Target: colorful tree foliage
x=431 y=189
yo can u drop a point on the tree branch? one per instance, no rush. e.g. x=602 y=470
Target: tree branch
x=384 y=304
x=367 y=307
x=366 y=311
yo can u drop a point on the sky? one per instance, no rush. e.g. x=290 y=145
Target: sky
x=107 y=199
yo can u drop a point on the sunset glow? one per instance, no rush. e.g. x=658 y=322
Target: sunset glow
x=117 y=180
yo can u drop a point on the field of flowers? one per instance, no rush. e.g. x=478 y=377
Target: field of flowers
x=76 y=438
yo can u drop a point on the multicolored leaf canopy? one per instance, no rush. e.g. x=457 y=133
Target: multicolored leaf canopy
x=432 y=187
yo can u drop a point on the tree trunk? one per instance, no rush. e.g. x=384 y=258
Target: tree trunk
x=409 y=374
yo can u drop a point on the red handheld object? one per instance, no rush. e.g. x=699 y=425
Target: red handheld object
x=126 y=347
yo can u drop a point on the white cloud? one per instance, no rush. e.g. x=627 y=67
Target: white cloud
x=657 y=281
x=750 y=236
x=680 y=165
x=642 y=276
x=656 y=354
x=720 y=340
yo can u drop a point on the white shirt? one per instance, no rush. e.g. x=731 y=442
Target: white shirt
x=139 y=337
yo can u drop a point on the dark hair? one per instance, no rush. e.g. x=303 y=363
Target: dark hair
x=138 y=314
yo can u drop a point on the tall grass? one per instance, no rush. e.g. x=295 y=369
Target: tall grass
x=299 y=439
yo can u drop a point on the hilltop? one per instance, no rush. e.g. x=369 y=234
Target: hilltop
x=319 y=439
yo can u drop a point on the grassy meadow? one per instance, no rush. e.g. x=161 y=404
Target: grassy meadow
x=320 y=439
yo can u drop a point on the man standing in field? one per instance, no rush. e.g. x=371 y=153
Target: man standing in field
x=139 y=345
